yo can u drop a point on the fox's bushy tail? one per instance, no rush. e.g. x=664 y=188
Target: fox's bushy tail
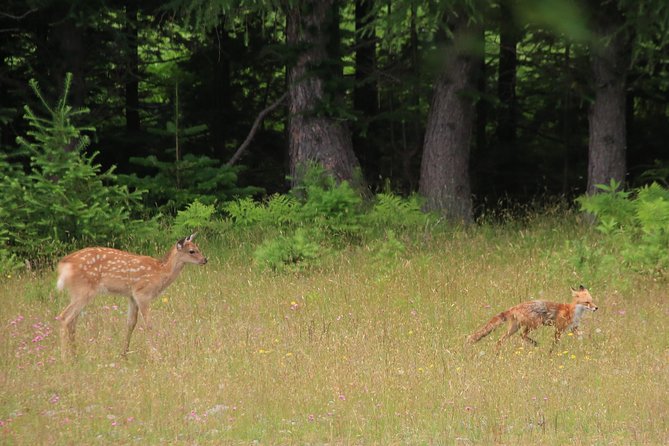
x=493 y=323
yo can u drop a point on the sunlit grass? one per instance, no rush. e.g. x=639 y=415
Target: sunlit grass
x=354 y=353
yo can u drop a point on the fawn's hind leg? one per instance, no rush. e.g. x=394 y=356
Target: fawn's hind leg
x=131 y=323
x=68 y=322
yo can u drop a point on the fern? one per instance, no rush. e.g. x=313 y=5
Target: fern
x=196 y=217
x=635 y=222
x=392 y=211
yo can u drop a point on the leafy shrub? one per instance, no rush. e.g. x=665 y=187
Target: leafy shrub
x=334 y=208
x=331 y=213
x=288 y=253
x=636 y=223
x=64 y=198
x=613 y=207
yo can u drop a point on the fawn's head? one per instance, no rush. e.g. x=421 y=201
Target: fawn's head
x=189 y=252
x=582 y=297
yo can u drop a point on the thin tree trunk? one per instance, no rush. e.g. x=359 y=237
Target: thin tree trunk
x=70 y=41
x=444 y=180
x=132 y=120
x=506 y=80
x=365 y=92
x=313 y=136
x=609 y=61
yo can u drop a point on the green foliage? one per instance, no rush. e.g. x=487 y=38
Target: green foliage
x=392 y=211
x=288 y=253
x=387 y=251
x=64 y=198
x=196 y=217
x=277 y=209
x=175 y=184
x=332 y=207
x=636 y=223
x=331 y=213
x=612 y=207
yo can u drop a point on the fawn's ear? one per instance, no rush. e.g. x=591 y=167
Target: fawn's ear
x=180 y=244
x=581 y=288
x=191 y=237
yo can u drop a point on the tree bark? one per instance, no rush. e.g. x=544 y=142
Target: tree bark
x=444 y=179
x=315 y=137
x=609 y=60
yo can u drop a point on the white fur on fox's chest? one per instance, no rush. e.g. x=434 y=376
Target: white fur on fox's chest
x=578 y=313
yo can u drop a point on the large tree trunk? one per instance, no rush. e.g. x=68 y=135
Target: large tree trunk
x=444 y=179
x=609 y=59
x=313 y=136
x=132 y=120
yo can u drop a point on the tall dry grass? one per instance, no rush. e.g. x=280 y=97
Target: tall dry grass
x=357 y=352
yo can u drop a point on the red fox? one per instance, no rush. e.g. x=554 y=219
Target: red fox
x=531 y=315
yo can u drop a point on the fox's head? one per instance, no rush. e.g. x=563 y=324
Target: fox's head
x=582 y=297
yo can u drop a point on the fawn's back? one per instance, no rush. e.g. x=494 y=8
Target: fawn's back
x=106 y=270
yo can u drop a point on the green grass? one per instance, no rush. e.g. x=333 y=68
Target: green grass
x=352 y=353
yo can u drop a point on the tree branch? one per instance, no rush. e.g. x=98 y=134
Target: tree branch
x=18 y=17
x=254 y=129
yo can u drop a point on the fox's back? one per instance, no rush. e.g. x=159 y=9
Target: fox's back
x=535 y=313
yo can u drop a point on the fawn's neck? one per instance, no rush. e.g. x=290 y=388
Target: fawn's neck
x=171 y=266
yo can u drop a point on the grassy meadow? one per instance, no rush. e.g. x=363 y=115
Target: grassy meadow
x=361 y=350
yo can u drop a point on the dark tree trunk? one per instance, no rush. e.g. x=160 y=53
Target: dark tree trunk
x=506 y=80
x=314 y=137
x=609 y=60
x=223 y=112
x=365 y=92
x=412 y=130
x=132 y=121
x=70 y=43
x=567 y=123
x=444 y=180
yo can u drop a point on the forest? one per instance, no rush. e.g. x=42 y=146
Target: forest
x=470 y=103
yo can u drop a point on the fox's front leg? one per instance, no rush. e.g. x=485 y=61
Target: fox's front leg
x=558 y=335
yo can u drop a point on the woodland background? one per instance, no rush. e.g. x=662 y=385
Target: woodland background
x=476 y=105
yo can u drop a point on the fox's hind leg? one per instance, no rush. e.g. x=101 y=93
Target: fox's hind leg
x=525 y=336
x=513 y=327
